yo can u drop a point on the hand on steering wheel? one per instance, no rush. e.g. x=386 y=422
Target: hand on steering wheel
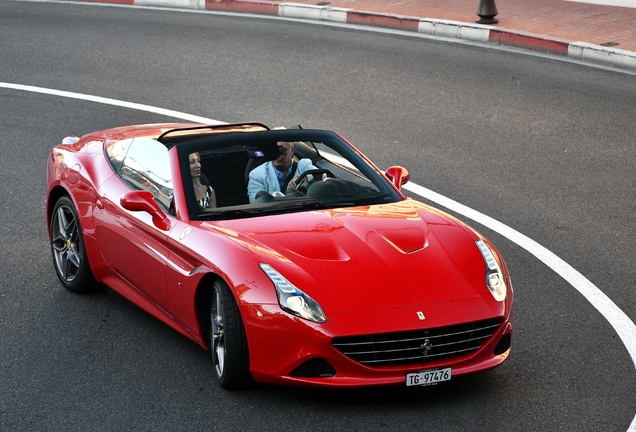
x=309 y=177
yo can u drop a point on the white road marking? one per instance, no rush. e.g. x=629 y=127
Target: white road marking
x=622 y=324
x=108 y=101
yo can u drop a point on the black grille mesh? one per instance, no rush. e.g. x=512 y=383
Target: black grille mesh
x=417 y=346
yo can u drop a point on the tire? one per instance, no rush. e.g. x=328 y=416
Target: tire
x=68 y=249
x=228 y=342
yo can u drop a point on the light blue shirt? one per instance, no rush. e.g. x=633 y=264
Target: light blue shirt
x=266 y=177
x=281 y=178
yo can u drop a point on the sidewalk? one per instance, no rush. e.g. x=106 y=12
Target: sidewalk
x=590 y=32
x=567 y=20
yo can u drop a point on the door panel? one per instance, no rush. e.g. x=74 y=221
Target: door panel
x=132 y=246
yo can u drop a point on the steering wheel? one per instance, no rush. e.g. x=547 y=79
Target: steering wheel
x=310 y=177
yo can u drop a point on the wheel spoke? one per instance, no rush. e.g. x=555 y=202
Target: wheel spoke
x=62 y=222
x=71 y=231
x=73 y=255
x=220 y=354
x=68 y=268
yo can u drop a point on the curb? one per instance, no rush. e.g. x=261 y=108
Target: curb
x=437 y=27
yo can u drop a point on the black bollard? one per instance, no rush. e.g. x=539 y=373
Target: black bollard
x=487 y=11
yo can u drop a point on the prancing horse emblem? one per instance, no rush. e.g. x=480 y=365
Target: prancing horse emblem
x=421 y=316
x=426 y=346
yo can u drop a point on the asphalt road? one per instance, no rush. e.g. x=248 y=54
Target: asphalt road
x=544 y=146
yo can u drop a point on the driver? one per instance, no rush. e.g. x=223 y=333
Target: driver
x=279 y=174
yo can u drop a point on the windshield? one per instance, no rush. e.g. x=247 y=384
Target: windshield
x=279 y=171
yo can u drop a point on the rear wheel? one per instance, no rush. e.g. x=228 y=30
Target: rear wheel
x=227 y=340
x=68 y=250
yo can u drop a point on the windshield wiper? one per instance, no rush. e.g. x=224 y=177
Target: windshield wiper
x=222 y=213
x=325 y=205
x=277 y=207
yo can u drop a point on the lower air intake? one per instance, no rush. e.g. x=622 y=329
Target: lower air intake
x=314 y=368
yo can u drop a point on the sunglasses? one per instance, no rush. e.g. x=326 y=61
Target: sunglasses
x=282 y=149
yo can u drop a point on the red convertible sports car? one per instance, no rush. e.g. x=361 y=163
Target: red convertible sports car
x=338 y=280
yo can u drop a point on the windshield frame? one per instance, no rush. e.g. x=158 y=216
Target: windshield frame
x=264 y=142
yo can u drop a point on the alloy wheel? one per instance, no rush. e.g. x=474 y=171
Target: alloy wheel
x=218 y=339
x=65 y=244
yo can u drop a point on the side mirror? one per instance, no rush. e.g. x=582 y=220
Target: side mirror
x=143 y=200
x=399 y=176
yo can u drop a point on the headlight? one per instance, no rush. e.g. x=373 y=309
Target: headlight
x=293 y=300
x=495 y=280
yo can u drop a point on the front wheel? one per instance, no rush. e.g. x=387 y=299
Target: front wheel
x=68 y=250
x=228 y=342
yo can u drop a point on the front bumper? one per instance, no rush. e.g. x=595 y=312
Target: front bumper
x=290 y=351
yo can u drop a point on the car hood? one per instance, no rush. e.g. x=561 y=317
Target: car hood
x=372 y=257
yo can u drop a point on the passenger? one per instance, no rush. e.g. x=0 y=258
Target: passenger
x=279 y=174
x=205 y=195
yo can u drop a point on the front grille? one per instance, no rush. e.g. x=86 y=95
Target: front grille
x=417 y=346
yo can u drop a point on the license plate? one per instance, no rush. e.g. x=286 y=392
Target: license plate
x=430 y=377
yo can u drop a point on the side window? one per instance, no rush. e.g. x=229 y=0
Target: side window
x=143 y=164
